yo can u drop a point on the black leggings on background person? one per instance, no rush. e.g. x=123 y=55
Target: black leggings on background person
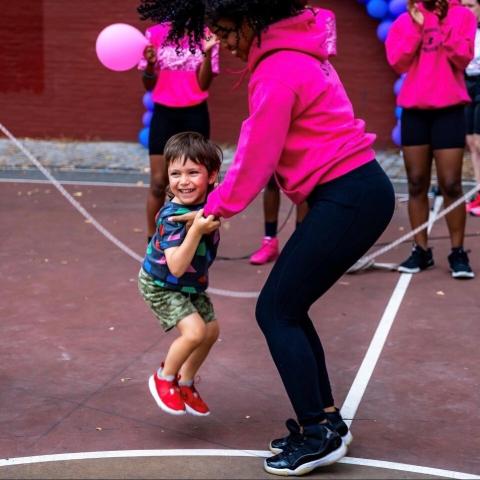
x=346 y=216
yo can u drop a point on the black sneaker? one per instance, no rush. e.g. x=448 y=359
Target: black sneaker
x=335 y=422
x=420 y=259
x=459 y=264
x=317 y=446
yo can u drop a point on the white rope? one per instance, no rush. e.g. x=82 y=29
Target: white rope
x=74 y=203
x=368 y=260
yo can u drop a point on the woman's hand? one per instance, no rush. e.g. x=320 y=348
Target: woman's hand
x=415 y=13
x=209 y=42
x=150 y=54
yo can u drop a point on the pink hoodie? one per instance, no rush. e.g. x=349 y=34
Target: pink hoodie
x=434 y=56
x=301 y=125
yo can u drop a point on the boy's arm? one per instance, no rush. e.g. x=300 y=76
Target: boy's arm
x=179 y=258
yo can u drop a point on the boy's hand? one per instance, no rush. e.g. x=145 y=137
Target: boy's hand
x=203 y=225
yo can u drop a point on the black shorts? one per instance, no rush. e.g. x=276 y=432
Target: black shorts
x=441 y=128
x=472 y=111
x=168 y=121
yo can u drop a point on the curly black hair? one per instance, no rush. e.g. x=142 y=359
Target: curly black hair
x=188 y=18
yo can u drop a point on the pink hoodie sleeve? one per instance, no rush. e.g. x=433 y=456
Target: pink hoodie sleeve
x=402 y=43
x=260 y=146
x=459 y=39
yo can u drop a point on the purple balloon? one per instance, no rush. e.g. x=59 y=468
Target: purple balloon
x=147 y=118
x=148 y=101
x=397 y=7
x=397 y=134
x=377 y=8
x=382 y=30
x=398 y=86
x=143 y=136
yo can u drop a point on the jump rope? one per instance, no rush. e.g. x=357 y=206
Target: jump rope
x=364 y=263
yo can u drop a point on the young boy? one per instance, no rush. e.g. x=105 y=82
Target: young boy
x=174 y=273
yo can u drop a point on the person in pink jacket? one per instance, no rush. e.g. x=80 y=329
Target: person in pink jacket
x=269 y=249
x=432 y=44
x=301 y=129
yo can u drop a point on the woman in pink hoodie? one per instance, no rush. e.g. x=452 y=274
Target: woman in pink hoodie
x=302 y=130
x=432 y=44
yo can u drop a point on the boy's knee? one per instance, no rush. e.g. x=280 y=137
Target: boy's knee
x=195 y=335
x=212 y=332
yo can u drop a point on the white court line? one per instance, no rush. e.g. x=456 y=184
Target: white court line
x=73 y=182
x=364 y=374
x=436 y=472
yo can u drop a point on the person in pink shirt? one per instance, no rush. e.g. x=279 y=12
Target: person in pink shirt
x=179 y=80
x=432 y=44
x=472 y=111
x=301 y=129
x=269 y=249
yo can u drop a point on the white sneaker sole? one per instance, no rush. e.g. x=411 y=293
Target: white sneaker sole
x=346 y=439
x=462 y=274
x=332 y=457
x=158 y=400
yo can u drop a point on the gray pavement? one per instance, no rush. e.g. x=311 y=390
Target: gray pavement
x=130 y=158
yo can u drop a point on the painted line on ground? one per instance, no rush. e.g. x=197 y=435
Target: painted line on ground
x=62 y=457
x=365 y=372
x=78 y=182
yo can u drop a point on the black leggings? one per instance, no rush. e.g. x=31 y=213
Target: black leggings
x=346 y=217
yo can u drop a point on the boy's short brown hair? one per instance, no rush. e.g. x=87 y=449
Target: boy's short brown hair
x=195 y=147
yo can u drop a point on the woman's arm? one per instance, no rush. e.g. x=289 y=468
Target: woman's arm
x=459 y=40
x=149 y=75
x=205 y=72
x=403 y=42
x=260 y=146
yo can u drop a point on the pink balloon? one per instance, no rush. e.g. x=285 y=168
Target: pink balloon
x=120 y=46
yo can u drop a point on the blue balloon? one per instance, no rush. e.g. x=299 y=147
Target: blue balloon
x=143 y=136
x=397 y=134
x=148 y=101
x=397 y=7
x=398 y=86
x=377 y=8
x=147 y=118
x=398 y=113
x=382 y=30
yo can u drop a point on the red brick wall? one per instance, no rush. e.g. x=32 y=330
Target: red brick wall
x=52 y=85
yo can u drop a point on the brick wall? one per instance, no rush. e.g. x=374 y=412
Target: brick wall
x=52 y=85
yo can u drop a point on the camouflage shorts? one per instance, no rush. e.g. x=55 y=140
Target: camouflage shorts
x=170 y=306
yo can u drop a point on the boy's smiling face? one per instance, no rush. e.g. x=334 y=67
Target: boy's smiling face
x=189 y=181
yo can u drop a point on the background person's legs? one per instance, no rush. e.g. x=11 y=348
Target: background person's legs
x=269 y=250
x=156 y=191
x=449 y=172
x=418 y=164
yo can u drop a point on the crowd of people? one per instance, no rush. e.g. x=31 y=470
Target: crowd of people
x=322 y=159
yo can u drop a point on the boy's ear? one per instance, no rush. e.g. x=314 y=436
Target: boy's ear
x=212 y=178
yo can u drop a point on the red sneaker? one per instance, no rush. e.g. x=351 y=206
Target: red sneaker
x=167 y=395
x=193 y=402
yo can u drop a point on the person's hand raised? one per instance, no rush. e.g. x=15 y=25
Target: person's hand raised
x=209 y=42
x=150 y=54
x=415 y=13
